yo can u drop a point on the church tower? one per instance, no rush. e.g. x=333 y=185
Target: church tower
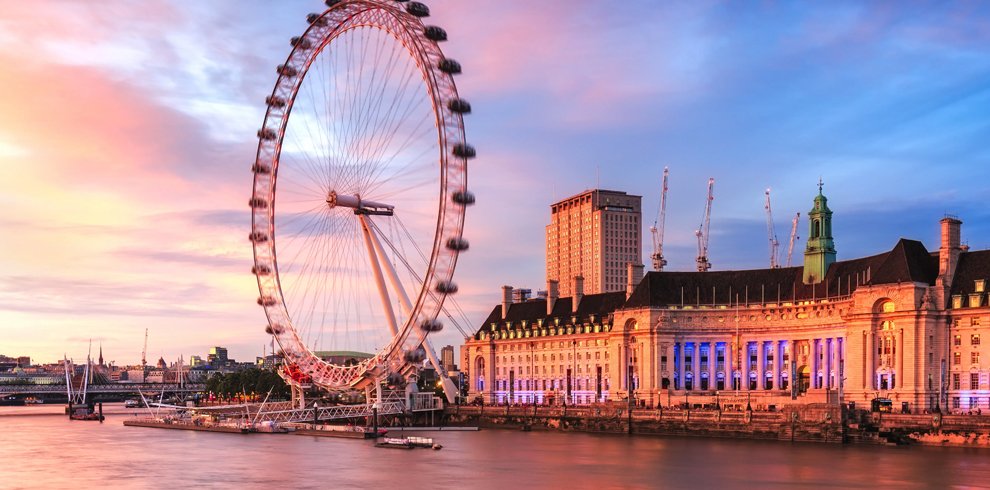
x=819 y=254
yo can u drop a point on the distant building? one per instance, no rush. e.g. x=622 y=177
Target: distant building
x=196 y=361
x=342 y=357
x=447 y=358
x=593 y=235
x=906 y=324
x=24 y=361
x=217 y=357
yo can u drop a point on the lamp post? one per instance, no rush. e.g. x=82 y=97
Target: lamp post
x=532 y=371
x=573 y=368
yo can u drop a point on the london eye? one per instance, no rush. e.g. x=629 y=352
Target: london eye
x=359 y=194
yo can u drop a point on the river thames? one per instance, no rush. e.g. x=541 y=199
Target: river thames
x=40 y=448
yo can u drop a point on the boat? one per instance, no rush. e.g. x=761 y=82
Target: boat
x=33 y=401
x=408 y=443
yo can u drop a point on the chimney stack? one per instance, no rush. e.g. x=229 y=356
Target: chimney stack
x=948 y=253
x=634 y=274
x=553 y=293
x=506 y=300
x=578 y=293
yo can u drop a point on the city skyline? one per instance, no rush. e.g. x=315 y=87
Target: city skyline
x=129 y=145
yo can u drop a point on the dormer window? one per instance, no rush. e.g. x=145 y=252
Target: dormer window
x=974 y=300
x=980 y=284
x=957 y=301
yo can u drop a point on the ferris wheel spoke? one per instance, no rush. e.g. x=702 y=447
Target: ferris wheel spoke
x=387 y=134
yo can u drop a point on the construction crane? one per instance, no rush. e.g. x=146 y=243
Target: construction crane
x=702 y=232
x=771 y=234
x=658 y=224
x=790 y=247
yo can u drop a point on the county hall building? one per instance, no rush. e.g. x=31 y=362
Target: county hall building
x=905 y=324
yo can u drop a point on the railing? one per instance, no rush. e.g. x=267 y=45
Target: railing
x=331 y=413
x=8 y=389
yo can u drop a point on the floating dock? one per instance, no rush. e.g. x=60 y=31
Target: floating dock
x=157 y=424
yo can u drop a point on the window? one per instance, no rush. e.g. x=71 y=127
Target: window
x=975 y=321
x=957 y=340
x=974 y=339
x=956 y=358
x=974 y=357
x=974 y=381
x=980 y=284
x=955 y=381
x=955 y=402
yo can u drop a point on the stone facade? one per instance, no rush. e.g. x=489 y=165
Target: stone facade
x=905 y=325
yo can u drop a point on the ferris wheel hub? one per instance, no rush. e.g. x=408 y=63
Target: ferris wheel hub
x=360 y=206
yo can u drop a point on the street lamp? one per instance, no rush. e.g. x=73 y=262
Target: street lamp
x=532 y=370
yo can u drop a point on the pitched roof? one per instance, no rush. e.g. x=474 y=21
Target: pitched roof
x=972 y=266
x=531 y=311
x=907 y=261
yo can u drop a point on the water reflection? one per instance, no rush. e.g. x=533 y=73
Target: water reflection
x=51 y=452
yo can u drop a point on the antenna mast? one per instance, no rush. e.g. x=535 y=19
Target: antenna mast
x=702 y=232
x=790 y=247
x=771 y=234
x=657 y=230
x=144 y=354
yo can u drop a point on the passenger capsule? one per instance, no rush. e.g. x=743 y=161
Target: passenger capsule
x=258 y=203
x=266 y=301
x=287 y=70
x=459 y=106
x=332 y=3
x=464 y=150
x=431 y=326
x=446 y=287
x=457 y=244
x=448 y=65
x=396 y=380
x=316 y=19
x=418 y=9
x=275 y=101
x=274 y=329
x=463 y=198
x=300 y=42
x=434 y=33
x=258 y=237
x=261 y=169
x=261 y=270
x=415 y=355
x=266 y=133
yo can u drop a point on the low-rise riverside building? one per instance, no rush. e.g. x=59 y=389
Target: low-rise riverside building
x=904 y=325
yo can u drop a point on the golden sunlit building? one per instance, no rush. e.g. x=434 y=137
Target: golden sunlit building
x=904 y=325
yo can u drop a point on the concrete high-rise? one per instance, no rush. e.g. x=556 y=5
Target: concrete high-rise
x=595 y=235
x=447 y=357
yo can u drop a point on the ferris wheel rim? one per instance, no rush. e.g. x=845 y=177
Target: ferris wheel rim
x=452 y=166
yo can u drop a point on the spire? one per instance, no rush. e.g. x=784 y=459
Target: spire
x=101 y=353
x=819 y=253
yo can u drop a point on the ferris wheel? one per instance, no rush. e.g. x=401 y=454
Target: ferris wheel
x=359 y=197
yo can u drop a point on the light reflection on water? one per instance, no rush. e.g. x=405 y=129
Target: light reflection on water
x=49 y=451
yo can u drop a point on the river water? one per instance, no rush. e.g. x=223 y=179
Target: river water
x=41 y=448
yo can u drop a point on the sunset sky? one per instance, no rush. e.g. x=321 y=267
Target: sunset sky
x=127 y=133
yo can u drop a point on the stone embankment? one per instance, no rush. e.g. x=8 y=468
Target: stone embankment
x=808 y=423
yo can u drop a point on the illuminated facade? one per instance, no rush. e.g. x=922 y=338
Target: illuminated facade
x=594 y=235
x=908 y=324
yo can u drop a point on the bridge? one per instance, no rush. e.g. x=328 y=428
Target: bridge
x=98 y=389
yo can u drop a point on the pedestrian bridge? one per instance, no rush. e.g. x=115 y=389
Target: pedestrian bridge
x=97 y=389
